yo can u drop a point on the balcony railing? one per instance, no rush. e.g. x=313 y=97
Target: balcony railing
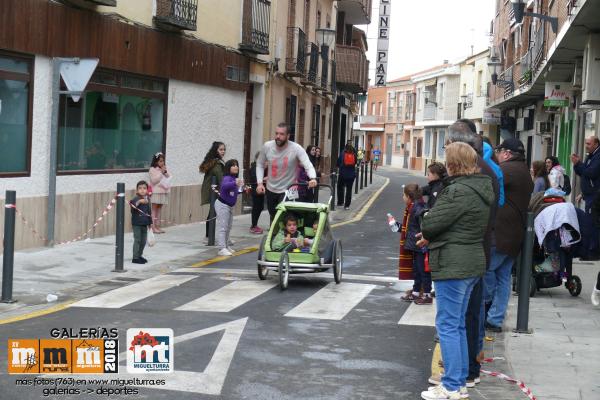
x=177 y=14
x=526 y=72
x=357 y=12
x=537 y=50
x=325 y=65
x=352 y=69
x=255 y=26
x=312 y=66
x=429 y=112
x=371 y=119
x=507 y=76
x=469 y=101
x=110 y=3
x=295 y=52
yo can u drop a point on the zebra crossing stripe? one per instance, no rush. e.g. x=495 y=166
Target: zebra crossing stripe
x=332 y=302
x=123 y=296
x=229 y=297
x=419 y=315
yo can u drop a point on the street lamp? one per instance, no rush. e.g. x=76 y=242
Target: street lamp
x=494 y=64
x=325 y=37
x=519 y=10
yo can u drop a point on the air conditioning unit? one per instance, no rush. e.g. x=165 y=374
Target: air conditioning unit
x=590 y=94
x=543 y=127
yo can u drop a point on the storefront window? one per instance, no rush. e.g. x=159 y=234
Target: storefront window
x=15 y=95
x=112 y=129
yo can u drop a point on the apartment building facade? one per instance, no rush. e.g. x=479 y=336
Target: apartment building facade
x=399 y=123
x=437 y=96
x=473 y=97
x=547 y=74
x=173 y=76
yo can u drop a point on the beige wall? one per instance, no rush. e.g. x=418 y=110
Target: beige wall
x=218 y=21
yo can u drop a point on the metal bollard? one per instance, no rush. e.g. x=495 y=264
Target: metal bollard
x=10 y=203
x=525 y=278
x=362 y=173
x=334 y=179
x=120 y=234
x=212 y=227
x=371 y=174
x=356 y=180
x=366 y=176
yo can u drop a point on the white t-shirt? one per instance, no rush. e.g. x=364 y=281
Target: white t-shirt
x=283 y=165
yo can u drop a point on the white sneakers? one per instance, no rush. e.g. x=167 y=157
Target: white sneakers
x=596 y=297
x=441 y=393
x=225 y=252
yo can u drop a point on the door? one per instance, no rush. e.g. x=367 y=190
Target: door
x=388 y=149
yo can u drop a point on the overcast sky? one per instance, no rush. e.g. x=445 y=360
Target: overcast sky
x=424 y=33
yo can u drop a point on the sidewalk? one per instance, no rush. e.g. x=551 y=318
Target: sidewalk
x=83 y=269
x=559 y=360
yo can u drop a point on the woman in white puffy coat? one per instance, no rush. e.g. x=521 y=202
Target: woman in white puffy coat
x=556 y=173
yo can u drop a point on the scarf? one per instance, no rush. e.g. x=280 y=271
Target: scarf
x=405 y=263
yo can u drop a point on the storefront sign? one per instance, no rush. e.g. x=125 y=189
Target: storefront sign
x=491 y=116
x=558 y=94
x=383 y=41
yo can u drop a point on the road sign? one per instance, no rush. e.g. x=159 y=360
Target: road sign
x=76 y=74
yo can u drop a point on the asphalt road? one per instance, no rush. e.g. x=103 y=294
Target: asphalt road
x=338 y=342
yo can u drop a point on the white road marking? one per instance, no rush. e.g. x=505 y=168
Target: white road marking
x=332 y=302
x=355 y=277
x=229 y=297
x=123 y=296
x=419 y=315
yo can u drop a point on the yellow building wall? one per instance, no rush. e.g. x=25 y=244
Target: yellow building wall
x=218 y=21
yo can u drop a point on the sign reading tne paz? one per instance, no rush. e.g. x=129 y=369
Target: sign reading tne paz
x=383 y=41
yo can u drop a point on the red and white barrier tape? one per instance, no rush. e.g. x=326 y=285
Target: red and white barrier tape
x=106 y=210
x=507 y=378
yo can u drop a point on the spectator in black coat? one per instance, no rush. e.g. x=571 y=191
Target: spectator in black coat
x=589 y=171
x=436 y=173
x=347 y=173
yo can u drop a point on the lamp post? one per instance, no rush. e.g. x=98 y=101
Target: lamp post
x=519 y=10
x=494 y=65
x=325 y=37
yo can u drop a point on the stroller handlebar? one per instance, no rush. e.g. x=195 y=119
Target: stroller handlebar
x=319 y=185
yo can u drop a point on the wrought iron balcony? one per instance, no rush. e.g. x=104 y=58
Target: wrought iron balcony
x=537 y=49
x=357 y=12
x=255 y=26
x=310 y=78
x=352 y=69
x=295 y=60
x=526 y=72
x=325 y=65
x=507 y=76
x=110 y=3
x=176 y=14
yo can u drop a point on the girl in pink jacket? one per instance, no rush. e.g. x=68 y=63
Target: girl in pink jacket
x=160 y=180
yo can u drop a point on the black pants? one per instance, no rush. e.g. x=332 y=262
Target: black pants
x=421 y=277
x=344 y=185
x=273 y=199
x=598 y=282
x=473 y=325
x=258 y=205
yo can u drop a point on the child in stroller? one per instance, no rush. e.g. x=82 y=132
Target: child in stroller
x=558 y=233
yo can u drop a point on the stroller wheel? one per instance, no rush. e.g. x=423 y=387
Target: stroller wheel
x=284 y=270
x=574 y=285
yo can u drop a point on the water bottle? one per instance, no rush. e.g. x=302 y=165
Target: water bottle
x=392 y=223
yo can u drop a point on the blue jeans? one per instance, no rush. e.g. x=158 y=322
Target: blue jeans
x=452 y=297
x=497 y=286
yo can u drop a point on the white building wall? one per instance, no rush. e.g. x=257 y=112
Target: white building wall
x=197 y=115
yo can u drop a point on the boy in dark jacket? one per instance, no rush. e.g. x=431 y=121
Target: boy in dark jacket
x=414 y=200
x=436 y=173
x=141 y=219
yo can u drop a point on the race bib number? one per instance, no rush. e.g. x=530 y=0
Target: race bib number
x=292 y=193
